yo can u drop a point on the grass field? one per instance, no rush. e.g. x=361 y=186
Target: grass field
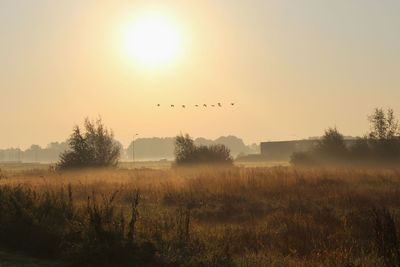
x=19 y=167
x=161 y=164
x=253 y=216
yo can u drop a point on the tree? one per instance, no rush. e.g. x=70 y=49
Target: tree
x=332 y=144
x=383 y=126
x=384 y=135
x=95 y=147
x=187 y=153
x=184 y=149
x=35 y=152
x=329 y=149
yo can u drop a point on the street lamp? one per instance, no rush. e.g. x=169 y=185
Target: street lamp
x=133 y=148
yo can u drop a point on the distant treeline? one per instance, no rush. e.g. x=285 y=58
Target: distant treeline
x=155 y=148
x=380 y=146
x=34 y=153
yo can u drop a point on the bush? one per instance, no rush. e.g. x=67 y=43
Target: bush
x=187 y=153
x=95 y=147
x=332 y=145
x=330 y=149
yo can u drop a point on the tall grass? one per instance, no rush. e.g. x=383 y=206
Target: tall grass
x=204 y=217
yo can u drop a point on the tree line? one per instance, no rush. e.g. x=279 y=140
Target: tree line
x=153 y=148
x=94 y=146
x=381 y=145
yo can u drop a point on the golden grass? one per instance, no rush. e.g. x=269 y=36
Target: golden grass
x=277 y=216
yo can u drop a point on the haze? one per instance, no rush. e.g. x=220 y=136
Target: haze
x=293 y=68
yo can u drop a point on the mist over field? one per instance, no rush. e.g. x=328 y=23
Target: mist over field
x=146 y=149
x=199 y=133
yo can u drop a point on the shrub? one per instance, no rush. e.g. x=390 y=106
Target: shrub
x=331 y=148
x=186 y=153
x=332 y=145
x=95 y=147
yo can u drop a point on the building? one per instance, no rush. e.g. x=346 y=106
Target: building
x=283 y=150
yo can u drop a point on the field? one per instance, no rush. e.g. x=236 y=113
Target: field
x=162 y=164
x=253 y=216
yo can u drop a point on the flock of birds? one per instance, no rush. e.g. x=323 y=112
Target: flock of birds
x=204 y=105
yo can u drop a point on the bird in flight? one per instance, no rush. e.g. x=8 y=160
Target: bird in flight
x=219 y=104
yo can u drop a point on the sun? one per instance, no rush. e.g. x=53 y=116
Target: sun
x=152 y=40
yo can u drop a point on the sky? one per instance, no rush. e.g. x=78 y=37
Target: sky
x=293 y=68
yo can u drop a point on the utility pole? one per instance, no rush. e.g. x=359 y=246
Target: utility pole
x=133 y=149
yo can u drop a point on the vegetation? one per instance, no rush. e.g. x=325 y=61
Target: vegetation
x=11 y=259
x=196 y=216
x=95 y=147
x=203 y=217
x=153 y=148
x=381 y=146
x=187 y=153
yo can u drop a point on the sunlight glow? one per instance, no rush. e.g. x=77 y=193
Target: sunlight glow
x=152 y=40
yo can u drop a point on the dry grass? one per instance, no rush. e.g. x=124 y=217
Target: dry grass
x=277 y=216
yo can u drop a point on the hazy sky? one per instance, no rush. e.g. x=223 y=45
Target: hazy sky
x=294 y=68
